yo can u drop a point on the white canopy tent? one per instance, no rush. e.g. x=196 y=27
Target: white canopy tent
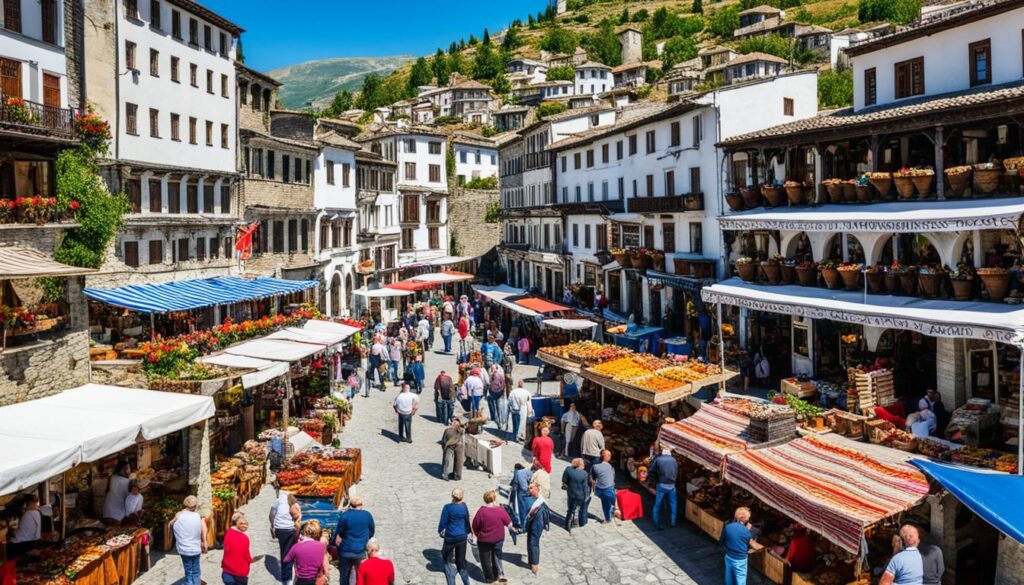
x=442 y=277
x=300 y=335
x=569 y=324
x=381 y=293
x=263 y=370
x=448 y=260
x=501 y=293
x=330 y=327
x=280 y=350
x=45 y=437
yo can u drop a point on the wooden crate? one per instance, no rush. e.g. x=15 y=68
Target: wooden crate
x=801 y=579
x=693 y=512
x=711 y=525
x=799 y=389
x=775 y=568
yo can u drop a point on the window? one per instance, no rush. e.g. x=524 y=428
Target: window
x=650 y=185
x=207 y=38
x=193 y=74
x=154 y=123
x=590 y=158
x=182 y=250
x=435 y=173
x=668 y=234
x=286 y=167
x=411 y=208
x=910 y=78
x=214 y=248
x=209 y=81
x=577 y=161
x=12 y=16
x=223 y=135
x=154 y=63
x=155 y=196
x=586 y=236
x=48 y=13
x=131 y=115
x=133 y=191
x=604 y=190
x=173 y=197
x=346 y=170
x=154 y=14
x=410 y=145
x=129 y=55
x=293 y=235
x=407 y=238
x=695 y=180
x=223 y=85
x=670 y=183
x=632 y=145
x=565 y=163
x=576 y=235
x=131 y=254
x=410 y=171
x=434 y=238
x=176 y=24
x=651 y=143
x=228 y=247
x=433 y=212
x=193 y=31
x=870 y=89
x=222 y=47
x=200 y=248
x=192 y=139
x=618 y=150
x=209 y=133
x=696 y=238
x=676 y=134
x=51 y=90
x=156 y=251
x=602 y=236
x=330 y=172
x=278 y=237
x=698 y=132
x=622 y=187
x=270 y=164
x=131 y=8
x=981 y=62
x=579 y=194
x=191 y=198
x=174 y=70
x=590 y=191
x=298 y=170
x=225 y=198
x=433 y=148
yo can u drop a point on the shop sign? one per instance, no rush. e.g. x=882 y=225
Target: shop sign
x=951 y=224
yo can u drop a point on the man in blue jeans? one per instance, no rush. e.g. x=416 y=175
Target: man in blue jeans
x=444 y=398
x=603 y=475
x=355 y=528
x=189 y=538
x=406 y=404
x=736 y=538
x=663 y=474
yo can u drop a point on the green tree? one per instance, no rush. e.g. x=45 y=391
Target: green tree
x=697 y=7
x=551 y=108
x=421 y=74
x=561 y=73
x=439 y=65
x=894 y=11
x=603 y=45
x=835 y=88
x=239 y=55
x=725 y=20
x=624 y=17
x=778 y=46
x=487 y=37
x=513 y=39
x=370 y=96
x=457 y=64
x=473 y=41
x=453 y=48
x=500 y=84
x=486 y=64
x=529 y=21
x=640 y=15
x=342 y=102
x=559 y=40
x=677 y=50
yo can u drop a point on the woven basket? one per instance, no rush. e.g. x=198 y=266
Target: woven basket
x=788 y=274
x=795 y=195
x=883 y=186
x=735 y=201
x=771 y=271
x=876 y=281
x=849 y=192
x=962 y=289
x=923 y=184
x=904 y=186
x=832 y=277
x=865 y=193
x=987 y=180
x=928 y=284
x=807 y=276
x=908 y=280
x=751 y=198
x=747 y=271
x=851 y=279
x=958 y=183
x=773 y=195
x=835 y=192
x=997 y=285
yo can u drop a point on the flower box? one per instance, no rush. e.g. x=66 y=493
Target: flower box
x=831 y=276
x=735 y=201
x=771 y=271
x=904 y=186
x=986 y=177
x=834 y=188
x=959 y=180
x=794 y=192
x=772 y=194
x=882 y=182
x=996 y=281
x=850 y=273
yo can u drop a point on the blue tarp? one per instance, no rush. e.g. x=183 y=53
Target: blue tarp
x=183 y=295
x=993 y=496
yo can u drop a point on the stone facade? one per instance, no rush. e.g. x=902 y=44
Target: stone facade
x=73 y=49
x=44 y=368
x=472 y=237
x=256 y=94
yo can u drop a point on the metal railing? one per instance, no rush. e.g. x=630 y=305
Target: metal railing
x=688 y=202
x=34 y=117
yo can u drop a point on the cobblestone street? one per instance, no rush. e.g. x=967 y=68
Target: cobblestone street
x=401 y=486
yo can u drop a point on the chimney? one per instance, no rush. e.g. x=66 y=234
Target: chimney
x=631 y=40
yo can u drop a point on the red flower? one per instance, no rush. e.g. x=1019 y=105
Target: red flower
x=74 y=205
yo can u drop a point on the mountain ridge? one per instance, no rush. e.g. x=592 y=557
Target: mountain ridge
x=316 y=81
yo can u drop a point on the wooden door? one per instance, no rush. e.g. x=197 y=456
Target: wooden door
x=51 y=90
x=10 y=77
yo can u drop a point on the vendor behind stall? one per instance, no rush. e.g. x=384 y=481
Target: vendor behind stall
x=30 y=528
x=118 y=488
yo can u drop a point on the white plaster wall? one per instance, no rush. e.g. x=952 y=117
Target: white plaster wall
x=592 y=80
x=423 y=160
x=487 y=167
x=946 y=62
x=336 y=196
x=180 y=97
x=36 y=56
x=760 y=105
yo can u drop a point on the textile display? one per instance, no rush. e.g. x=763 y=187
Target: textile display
x=834 y=489
x=707 y=436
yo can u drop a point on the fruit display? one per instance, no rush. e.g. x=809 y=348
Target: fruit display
x=59 y=565
x=755 y=410
x=690 y=372
x=331 y=467
x=623 y=369
x=304 y=476
x=799 y=406
x=657 y=384
x=587 y=352
x=990 y=458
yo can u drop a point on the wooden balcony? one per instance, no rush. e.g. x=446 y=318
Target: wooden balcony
x=35 y=118
x=676 y=203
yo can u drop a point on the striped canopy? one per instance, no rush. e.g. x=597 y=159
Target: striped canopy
x=183 y=295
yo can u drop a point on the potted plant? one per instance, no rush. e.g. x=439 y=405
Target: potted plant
x=882 y=181
x=772 y=194
x=657 y=260
x=863 y=189
x=923 y=178
x=892 y=276
x=875 y=279
x=751 y=195
x=996 y=281
x=746 y=269
x=795 y=192
x=834 y=187
x=850 y=273
x=770 y=267
x=849 y=190
x=928 y=279
x=807 y=273
x=787 y=269
x=962 y=279
x=904 y=183
x=19 y=111
x=621 y=255
x=640 y=259
x=986 y=177
x=908 y=280
x=830 y=273
x=959 y=179
x=735 y=201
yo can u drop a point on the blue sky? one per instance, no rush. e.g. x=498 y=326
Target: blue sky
x=286 y=32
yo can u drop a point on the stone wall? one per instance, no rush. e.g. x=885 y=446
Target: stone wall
x=274 y=193
x=466 y=211
x=99 y=61
x=44 y=238
x=44 y=368
x=292 y=125
x=73 y=48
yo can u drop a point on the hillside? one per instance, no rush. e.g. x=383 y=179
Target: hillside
x=318 y=81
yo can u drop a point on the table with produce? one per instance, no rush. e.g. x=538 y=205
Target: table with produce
x=100 y=557
x=324 y=475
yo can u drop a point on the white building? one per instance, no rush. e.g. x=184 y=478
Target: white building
x=526 y=71
x=334 y=196
x=593 y=78
x=422 y=187
x=32 y=52
x=475 y=157
x=657 y=169
x=163 y=74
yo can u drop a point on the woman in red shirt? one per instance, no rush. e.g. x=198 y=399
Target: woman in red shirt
x=801 y=551
x=237 y=559
x=375 y=570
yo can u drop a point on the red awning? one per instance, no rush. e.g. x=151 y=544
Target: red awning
x=541 y=305
x=411 y=285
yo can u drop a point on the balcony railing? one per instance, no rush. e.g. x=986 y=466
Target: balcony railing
x=37 y=118
x=688 y=202
x=516 y=245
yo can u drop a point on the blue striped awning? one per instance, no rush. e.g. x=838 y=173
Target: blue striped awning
x=183 y=295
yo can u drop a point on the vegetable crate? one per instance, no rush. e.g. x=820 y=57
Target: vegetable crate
x=693 y=512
